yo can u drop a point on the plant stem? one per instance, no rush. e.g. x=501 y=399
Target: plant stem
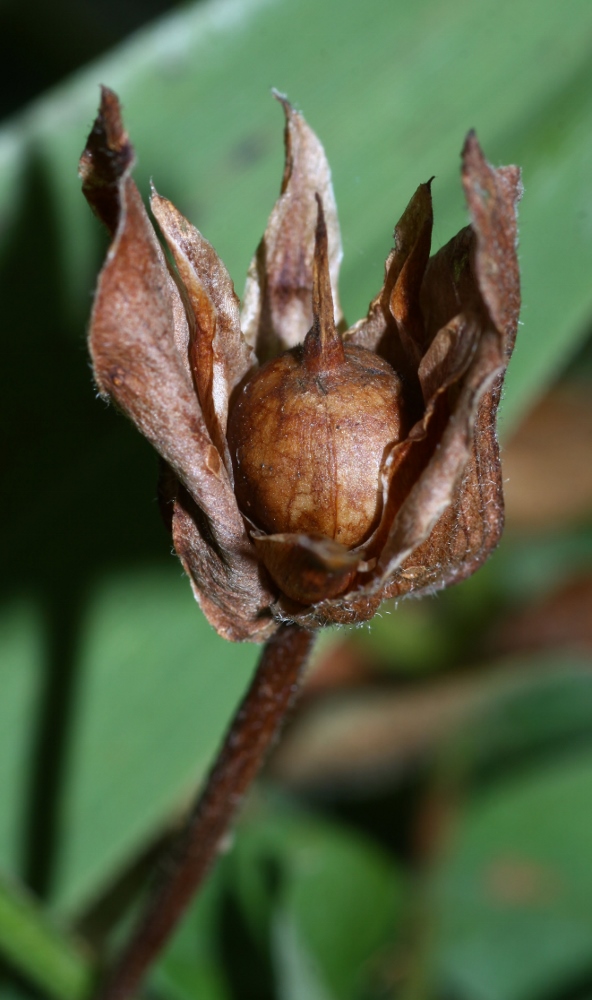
x=251 y=733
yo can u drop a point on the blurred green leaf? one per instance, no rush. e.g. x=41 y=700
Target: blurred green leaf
x=297 y=972
x=191 y=967
x=541 y=710
x=316 y=904
x=21 y=661
x=525 y=568
x=335 y=902
x=38 y=949
x=511 y=901
x=411 y=636
x=343 y=899
x=434 y=633
x=155 y=691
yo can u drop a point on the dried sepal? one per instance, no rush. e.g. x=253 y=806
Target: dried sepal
x=133 y=352
x=405 y=270
x=277 y=311
x=231 y=588
x=351 y=608
x=394 y=327
x=470 y=528
x=492 y=195
x=449 y=286
x=323 y=345
x=307 y=568
x=448 y=356
x=479 y=269
x=106 y=160
x=436 y=487
x=137 y=364
x=218 y=354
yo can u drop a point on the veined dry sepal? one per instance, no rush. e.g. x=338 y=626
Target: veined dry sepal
x=277 y=312
x=137 y=364
x=219 y=356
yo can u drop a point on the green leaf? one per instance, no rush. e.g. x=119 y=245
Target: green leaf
x=298 y=974
x=332 y=904
x=191 y=966
x=156 y=689
x=40 y=950
x=531 y=567
x=21 y=662
x=512 y=897
x=296 y=908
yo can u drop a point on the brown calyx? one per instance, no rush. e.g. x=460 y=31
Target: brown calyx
x=309 y=432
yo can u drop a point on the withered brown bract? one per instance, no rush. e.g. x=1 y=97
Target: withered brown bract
x=170 y=346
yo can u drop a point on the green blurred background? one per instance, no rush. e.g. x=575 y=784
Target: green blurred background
x=424 y=829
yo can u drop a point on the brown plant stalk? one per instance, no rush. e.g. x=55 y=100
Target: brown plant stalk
x=251 y=733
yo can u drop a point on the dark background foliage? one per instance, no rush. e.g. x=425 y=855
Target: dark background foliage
x=41 y=43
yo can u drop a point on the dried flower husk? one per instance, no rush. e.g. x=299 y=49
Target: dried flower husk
x=171 y=348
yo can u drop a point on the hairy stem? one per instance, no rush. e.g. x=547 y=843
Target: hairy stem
x=251 y=733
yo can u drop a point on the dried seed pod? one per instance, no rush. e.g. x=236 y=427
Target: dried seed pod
x=322 y=483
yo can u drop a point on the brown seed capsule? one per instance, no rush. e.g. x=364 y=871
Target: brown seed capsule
x=308 y=445
x=310 y=431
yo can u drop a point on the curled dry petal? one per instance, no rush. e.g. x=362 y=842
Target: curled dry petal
x=218 y=354
x=471 y=526
x=393 y=327
x=438 y=484
x=492 y=196
x=106 y=160
x=469 y=529
x=277 y=313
